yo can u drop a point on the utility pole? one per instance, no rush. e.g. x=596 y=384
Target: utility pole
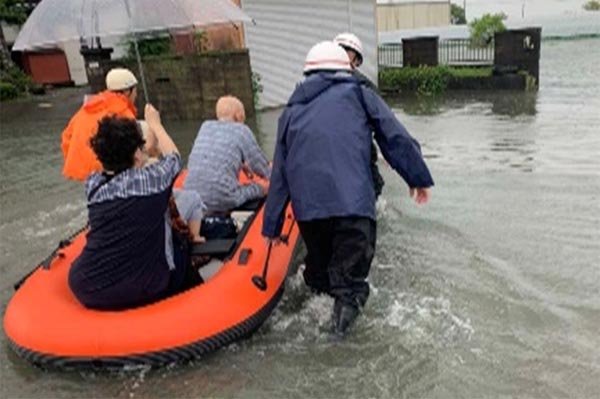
x=465 y=9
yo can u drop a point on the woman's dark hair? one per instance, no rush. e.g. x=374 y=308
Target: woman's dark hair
x=116 y=142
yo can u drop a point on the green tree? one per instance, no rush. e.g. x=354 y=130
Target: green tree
x=592 y=5
x=13 y=81
x=457 y=15
x=483 y=29
x=151 y=46
x=11 y=12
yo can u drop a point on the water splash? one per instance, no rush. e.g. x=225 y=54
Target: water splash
x=302 y=317
x=426 y=320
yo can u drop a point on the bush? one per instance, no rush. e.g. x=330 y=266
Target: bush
x=592 y=5
x=468 y=72
x=201 y=41
x=14 y=82
x=149 y=47
x=426 y=80
x=257 y=87
x=483 y=29
x=16 y=77
x=457 y=15
x=8 y=91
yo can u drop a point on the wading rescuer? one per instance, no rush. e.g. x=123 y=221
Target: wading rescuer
x=353 y=47
x=322 y=164
x=117 y=100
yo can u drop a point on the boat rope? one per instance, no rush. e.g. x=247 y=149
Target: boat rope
x=45 y=264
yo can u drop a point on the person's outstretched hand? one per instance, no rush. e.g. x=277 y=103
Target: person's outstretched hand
x=420 y=195
x=151 y=115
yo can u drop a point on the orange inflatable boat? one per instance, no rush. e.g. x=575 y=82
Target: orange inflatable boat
x=46 y=324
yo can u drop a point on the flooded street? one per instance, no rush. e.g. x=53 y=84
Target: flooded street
x=492 y=289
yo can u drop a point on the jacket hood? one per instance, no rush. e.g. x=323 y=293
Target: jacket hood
x=109 y=101
x=317 y=83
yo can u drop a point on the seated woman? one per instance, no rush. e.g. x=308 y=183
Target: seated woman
x=124 y=262
x=221 y=149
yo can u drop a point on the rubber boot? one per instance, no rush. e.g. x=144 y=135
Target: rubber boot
x=344 y=316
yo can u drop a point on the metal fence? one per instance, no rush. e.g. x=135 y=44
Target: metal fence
x=390 y=55
x=454 y=52
x=462 y=52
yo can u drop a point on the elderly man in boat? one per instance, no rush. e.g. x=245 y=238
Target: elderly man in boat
x=223 y=148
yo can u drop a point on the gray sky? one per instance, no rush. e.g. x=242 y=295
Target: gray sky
x=531 y=8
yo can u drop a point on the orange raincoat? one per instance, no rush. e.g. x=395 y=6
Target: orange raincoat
x=80 y=160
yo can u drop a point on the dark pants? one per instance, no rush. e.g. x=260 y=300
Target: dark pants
x=339 y=255
x=184 y=276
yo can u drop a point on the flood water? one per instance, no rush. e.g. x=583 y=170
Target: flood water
x=491 y=290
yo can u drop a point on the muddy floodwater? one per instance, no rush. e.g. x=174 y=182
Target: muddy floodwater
x=491 y=290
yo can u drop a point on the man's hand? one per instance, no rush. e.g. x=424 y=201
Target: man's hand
x=247 y=171
x=264 y=184
x=420 y=195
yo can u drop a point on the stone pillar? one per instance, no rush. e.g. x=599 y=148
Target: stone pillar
x=518 y=49
x=419 y=51
x=97 y=64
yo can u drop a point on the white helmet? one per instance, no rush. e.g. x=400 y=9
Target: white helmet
x=118 y=79
x=350 y=41
x=326 y=56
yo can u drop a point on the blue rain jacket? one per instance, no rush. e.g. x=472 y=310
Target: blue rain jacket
x=323 y=151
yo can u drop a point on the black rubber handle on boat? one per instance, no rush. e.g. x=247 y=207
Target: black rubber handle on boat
x=285 y=238
x=45 y=264
x=261 y=281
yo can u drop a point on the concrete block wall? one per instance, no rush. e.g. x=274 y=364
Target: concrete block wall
x=188 y=87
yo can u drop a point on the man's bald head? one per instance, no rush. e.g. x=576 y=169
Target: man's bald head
x=230 y=108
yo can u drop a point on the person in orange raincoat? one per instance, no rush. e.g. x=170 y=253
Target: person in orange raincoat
x=118 y=100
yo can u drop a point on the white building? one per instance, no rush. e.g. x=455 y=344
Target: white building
x=286 y=29
x=393 y=15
